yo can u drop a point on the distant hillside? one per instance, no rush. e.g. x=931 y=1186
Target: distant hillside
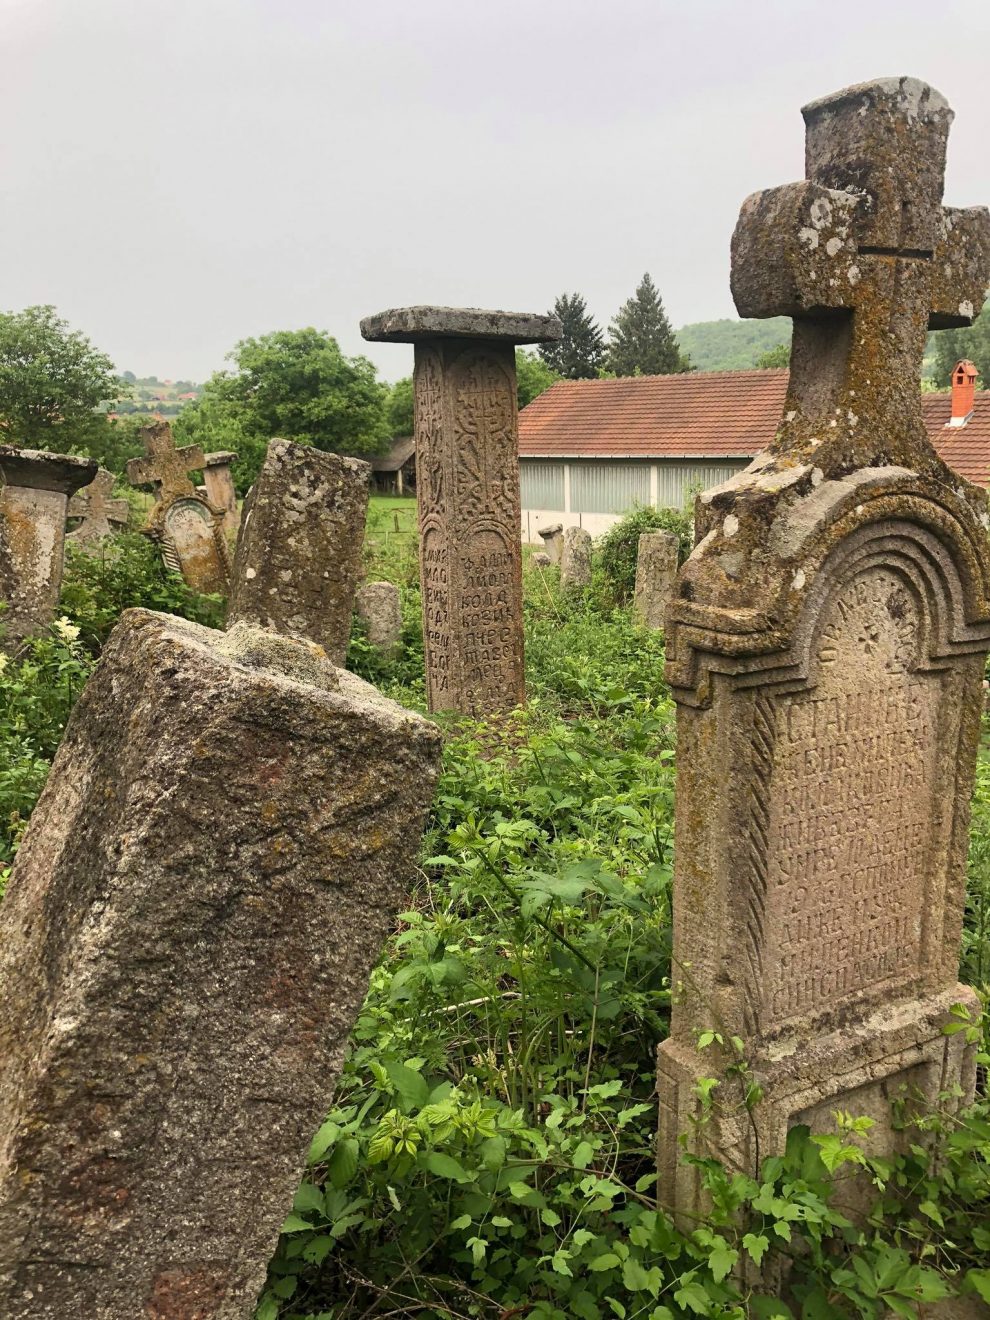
x=732 y=345
x=150 y=395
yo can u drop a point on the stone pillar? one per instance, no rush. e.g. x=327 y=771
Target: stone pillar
x=298 y=554
x=34 y=494
x=467 y=489
x=656 y=571
x=220 y=489
x=575 y=558
x=379 y=605
x=227 y=833
x=826 y=648
x=553 y=541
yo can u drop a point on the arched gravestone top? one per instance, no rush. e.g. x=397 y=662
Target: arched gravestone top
x=825 y=645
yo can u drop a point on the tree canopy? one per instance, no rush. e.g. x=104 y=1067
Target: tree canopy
x=55 y=387
x=580 y=352
x=640 y=339
x=533 y=376
x=948 y=346
x=778 y=356
x=296 y=384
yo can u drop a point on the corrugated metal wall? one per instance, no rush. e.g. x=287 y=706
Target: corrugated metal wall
x=677 y=480
x=541 y=484
x=601 y=487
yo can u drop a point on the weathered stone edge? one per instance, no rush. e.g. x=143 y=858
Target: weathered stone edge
x=405 y=325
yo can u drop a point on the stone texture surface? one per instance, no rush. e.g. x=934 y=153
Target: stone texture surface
x=228 y=830
x=826 y=646
x=408 y=325
x=467 y=490
x=99 y=511
x=379 y=605
x=575 y=558
x=656 y=572
x=541 y=560
x=220 y=490
x=553 y=541
x=184 y=524
x=34 y=492
x=298 y=554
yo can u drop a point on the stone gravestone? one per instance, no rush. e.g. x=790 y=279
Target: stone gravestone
x=186 y=525
x=467 y=490
x=98 y=510
x=553 y=541
x=34 y=492
x=656 y=570
x=220 y=490
x=575 y=558
x=826 y=649
x=298 y=556
x=379 y=605
x=228 y=831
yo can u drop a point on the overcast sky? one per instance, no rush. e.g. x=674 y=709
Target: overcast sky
x=179 y=174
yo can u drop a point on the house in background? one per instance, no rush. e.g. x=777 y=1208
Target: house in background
x=395 y=472
x=591 y=450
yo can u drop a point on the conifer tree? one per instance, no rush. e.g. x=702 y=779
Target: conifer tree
x=640 y=340
x=581 y=351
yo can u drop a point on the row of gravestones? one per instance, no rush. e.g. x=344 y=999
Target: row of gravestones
x=230 y=821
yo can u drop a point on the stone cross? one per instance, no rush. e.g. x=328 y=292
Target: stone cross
x=220 y=488
x=34 y=492
x=94 y=505
x=656 y=571
x=180 y=982
x=186 y=525
x=826 y=646
x=866 y=260
x=298 y=554
x=467 y=490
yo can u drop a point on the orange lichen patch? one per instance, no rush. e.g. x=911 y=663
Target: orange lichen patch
x=183 y=1294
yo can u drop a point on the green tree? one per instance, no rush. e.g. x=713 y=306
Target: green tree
x=779 y=356
x=948 y=346
x=55 y=387
x=291 y=383
x=640 y=340
x=533 y=376
x=580 y=352
x=399 y=412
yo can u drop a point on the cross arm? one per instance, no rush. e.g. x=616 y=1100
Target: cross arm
x=141 y=471
x=960 y=268
x=118 y=511
x=193 y=457
x=794 y=251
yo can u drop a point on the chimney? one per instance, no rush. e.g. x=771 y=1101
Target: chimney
x=964 y=375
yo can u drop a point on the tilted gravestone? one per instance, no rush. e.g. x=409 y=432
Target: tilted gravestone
x=379 y=606
x=575 y=558
x=34 y=492
x=220 y=489
x=227 y=833
x=100 y=513
x=826 y=648
x=185 y=524
x=656 y=571
x=467 y=490
x=298 y=554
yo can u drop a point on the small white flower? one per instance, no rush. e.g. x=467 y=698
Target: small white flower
x=66 y=630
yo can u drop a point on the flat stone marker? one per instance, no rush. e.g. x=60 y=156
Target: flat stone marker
x=379 y=605
x=298 y=557
x=100 y=513
x=227 y=833
x=553 y=541
x=185 y=524
x=467 y=491
x=220 y=489
x=34 y=493
x=656 y=571
x=826 y=648
x=575 y=558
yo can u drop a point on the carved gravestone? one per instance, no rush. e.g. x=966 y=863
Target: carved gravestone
x=185 y=524
x=553 y=541
x=98 y=511
x=575 y=558
x=298 y=556
x=826 y=648
x=227 y=833
x=656 y=570
x=34 y=492
x=379 y=606
x=467 y=489
x=219 y=487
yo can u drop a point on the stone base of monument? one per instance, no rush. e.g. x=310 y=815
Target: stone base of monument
x=887 y=1065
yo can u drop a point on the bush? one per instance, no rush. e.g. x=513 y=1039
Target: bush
x=619 y=547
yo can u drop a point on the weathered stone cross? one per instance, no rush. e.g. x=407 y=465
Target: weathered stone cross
x=866 y=260
x=164 y=466
x=96 y=509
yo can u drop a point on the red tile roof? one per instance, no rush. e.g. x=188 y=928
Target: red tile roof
x=706 y=414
